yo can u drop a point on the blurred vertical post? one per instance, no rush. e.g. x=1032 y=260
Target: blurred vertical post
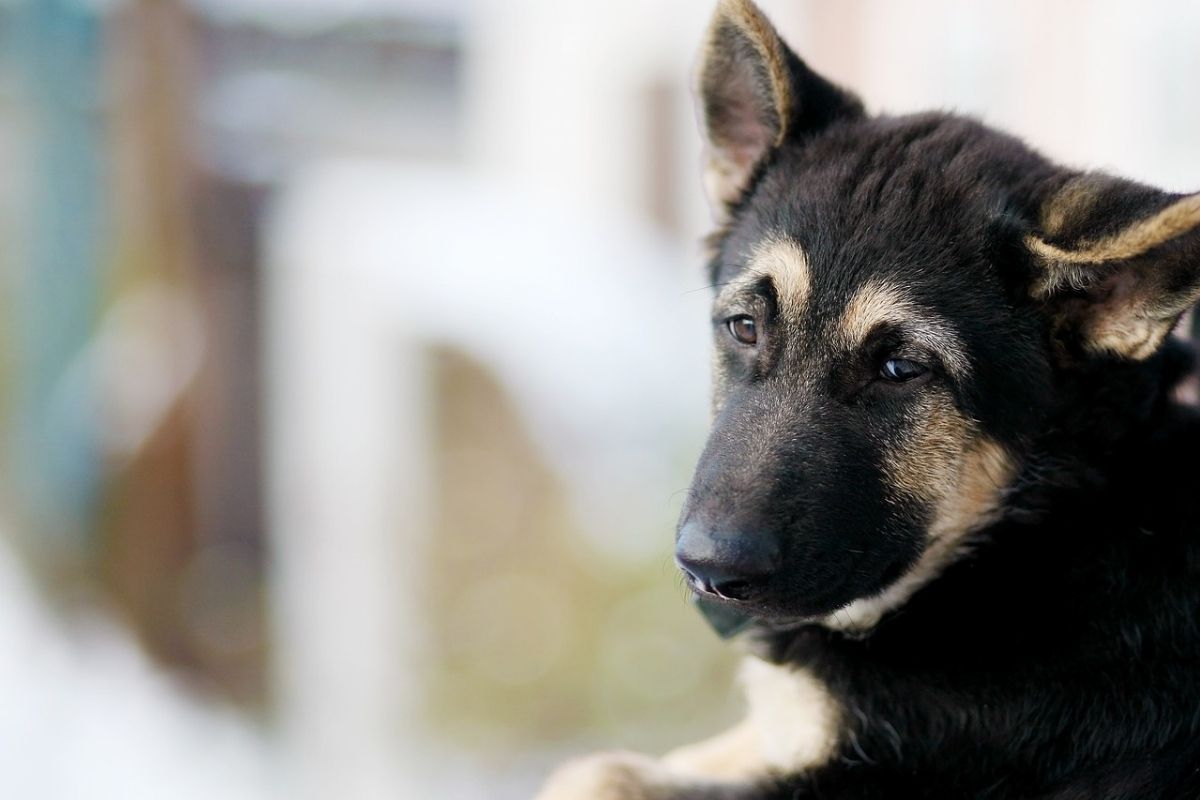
x=347 y=460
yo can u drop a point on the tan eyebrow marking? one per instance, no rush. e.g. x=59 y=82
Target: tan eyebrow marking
x=878 y=302
x=784 y=262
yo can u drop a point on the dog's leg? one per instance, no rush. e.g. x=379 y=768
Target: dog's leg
x=790 y=729
x=735 y=754
x=722 y=768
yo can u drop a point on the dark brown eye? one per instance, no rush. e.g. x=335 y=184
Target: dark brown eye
x=901 y=370
x=743 y=329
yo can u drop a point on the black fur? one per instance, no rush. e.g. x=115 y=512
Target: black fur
x=1061 y=657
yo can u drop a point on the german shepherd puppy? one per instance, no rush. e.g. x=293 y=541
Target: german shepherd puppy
x=950 y=485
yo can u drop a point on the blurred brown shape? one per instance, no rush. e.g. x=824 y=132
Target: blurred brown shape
x=181 y=541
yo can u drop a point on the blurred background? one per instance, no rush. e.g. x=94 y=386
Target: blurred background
x=353 y=363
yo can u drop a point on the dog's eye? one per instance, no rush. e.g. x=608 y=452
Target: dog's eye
x=901 y=370
x=743 y=328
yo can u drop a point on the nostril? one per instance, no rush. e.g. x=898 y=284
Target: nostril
x=734 y=590
x=731 y=565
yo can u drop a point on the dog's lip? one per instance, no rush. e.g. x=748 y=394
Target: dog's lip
x=766 y=613
x=718 y=607
x=771 y=615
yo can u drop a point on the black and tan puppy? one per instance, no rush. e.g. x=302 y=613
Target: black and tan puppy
x=948 y=482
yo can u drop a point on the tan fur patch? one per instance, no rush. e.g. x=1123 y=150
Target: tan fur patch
x=879 y=302
x=784 y=262
x=609 y=776
x=1135 y=240
x=722 y=180
x=736 y=754
x=793 y=714
x=1126 y=332
x=971 y=486
x=924 y=466
x=1077 y=194
x=632 y=776
x=985 y=473
x=792 y=725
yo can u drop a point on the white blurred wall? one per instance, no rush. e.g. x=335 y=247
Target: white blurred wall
x=555 y=87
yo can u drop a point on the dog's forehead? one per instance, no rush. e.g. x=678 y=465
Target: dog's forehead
x=891 y=212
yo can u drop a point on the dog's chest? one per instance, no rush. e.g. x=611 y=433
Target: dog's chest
x=793 y=713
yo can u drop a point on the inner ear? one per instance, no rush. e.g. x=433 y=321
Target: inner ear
x=1117 y=262
x=754 y=94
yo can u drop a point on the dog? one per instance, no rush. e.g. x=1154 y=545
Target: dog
x=951 y=494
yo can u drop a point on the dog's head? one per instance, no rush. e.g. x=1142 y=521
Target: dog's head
x=896 y=300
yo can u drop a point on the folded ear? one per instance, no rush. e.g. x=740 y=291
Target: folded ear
x=1117 y=262
x=755 y=93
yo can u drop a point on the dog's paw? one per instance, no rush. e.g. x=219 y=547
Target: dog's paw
x=608 y=776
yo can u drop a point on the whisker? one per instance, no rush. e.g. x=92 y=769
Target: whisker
x=710 y=287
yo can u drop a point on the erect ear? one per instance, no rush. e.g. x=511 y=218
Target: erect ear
x=1117 y=262
x=754 y=94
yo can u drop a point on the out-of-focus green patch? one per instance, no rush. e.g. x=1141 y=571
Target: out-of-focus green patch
x=537 y=639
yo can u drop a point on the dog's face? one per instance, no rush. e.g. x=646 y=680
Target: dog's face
x=895 y=298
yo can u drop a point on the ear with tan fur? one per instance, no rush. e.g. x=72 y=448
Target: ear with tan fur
x=1117 y=262
x=755 y=93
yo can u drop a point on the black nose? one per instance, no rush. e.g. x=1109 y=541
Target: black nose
x=734 y=566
